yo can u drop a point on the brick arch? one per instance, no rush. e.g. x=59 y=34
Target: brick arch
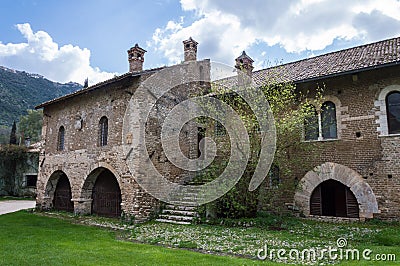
x=338 y=107
x=366 y=199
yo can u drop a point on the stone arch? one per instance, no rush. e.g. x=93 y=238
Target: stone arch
x=338 y=108
x=366 y=199
x=95 y=170
x=381 y=112
x=52 y=185
x=104 y=177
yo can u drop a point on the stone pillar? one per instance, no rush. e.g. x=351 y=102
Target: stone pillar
x=82 y=206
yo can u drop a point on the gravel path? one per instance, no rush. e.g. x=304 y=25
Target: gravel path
x=8 y=206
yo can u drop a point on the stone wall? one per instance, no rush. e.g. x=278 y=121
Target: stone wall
x=14 y=172
x=83 y=158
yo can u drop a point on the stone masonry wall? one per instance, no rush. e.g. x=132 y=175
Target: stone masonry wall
x=83 y=157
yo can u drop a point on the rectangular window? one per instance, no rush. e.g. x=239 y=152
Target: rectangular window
x=31 y=180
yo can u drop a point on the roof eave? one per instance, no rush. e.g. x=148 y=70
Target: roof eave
x=97 y=86
x=349 y=72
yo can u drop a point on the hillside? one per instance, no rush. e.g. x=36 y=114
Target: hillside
x=20 y=91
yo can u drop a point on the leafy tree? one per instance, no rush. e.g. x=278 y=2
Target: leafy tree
x=13 y=135
x=30 y=125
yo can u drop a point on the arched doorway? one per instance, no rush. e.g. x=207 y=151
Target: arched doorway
x=62 y=194
x=365 y=197
x=106 y=195
x=332 y=198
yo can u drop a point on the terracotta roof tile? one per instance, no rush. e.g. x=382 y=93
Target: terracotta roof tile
x=353 y=59
x=99 y=85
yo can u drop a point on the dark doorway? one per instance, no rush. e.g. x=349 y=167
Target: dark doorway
x=62 y=195
x=106 y=195
x=332 y=198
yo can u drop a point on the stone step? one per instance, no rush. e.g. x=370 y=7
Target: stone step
x=180 y=212
x=171 y=221
x=186 y=203
x=176 y=217
x=181 y=208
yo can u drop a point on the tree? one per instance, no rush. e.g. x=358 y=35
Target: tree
x=30 y=125
x=86 y=83
x=13 y=135
x=5 y=134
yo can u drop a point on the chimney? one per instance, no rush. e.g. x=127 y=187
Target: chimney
x=245 y=64
x=190 y=49
x=136 y=58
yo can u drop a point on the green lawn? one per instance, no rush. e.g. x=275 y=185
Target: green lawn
x=35 y=239
x=3 y=198
x=30 y=239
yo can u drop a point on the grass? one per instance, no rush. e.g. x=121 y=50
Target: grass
x=59 y=240
x=30 y=239
x=3 y=198
x=246 y=236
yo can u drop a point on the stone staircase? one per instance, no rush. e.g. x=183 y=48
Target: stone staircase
x=177 y=214
x=183 y=211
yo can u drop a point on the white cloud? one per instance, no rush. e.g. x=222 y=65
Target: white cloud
x=224 y=28
x=40 y=54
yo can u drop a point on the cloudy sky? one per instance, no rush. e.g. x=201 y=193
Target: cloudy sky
x=71 y=40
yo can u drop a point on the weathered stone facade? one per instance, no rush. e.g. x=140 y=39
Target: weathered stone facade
x=83 y=156
x=18 y=176
x=363 y=156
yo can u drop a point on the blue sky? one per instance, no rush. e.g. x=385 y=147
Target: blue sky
x=70 y=40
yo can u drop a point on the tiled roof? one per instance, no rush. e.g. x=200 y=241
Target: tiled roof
x=98 y=86
x=374 y=55
x=360 y=58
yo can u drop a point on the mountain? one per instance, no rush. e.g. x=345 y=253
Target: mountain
x=20 y=91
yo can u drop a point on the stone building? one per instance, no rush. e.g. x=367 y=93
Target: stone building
x=18 y=174
x=83 y=165
x=355 y=129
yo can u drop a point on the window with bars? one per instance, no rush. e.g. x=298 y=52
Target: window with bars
x=103 y=131
x=61 y=139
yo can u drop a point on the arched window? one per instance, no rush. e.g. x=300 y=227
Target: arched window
x=393 y=112
x=311 y=128
x=320 y=124
x=103 y=131
x=274 y=176
x=328 y=120
x=61 y=139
